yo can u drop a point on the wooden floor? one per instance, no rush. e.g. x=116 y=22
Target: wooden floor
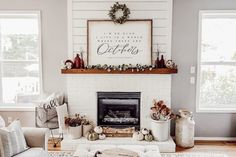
x=228 y=148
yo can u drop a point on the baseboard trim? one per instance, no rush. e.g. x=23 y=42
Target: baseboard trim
x=215 y=138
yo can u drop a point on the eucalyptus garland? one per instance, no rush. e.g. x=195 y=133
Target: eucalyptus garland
x=123 y=67
x=116 y=7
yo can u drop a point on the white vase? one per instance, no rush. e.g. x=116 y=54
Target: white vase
x=75 y=132
x=160 y=130
x=184 y=129
x=86 y=129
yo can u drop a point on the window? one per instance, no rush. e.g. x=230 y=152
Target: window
x=216 y=87
x=20 y=58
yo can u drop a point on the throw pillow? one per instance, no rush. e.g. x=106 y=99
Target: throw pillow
x=62 y=112
x=12 y=140
x=46 y=114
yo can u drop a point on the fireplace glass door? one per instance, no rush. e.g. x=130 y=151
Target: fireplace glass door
x=119 y=109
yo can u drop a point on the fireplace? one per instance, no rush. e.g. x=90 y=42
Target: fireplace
x=118 y=109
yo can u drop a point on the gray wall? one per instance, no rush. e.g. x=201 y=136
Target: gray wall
x=54 y=45
x=184 y=53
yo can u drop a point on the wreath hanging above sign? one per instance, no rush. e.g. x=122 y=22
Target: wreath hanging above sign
x=119 y=7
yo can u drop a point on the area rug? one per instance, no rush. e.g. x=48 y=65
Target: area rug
x=193 y=155
x=70 y=154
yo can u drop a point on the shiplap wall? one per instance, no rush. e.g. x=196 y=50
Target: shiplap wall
x=79 y=11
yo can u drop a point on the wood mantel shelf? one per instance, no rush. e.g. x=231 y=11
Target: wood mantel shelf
x=129 y=71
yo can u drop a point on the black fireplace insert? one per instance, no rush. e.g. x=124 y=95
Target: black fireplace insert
x=119 y=109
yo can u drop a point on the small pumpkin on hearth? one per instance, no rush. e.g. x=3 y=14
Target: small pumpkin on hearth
x=148 y=137
x=92 y=136
x=102 y=136
x=145 y=131
x=98 y=129
x=138 y=136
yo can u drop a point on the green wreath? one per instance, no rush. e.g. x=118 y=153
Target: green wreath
x=116 y=7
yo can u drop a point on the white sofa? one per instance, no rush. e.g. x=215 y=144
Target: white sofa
x=37 y=140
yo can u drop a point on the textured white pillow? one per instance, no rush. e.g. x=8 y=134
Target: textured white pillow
x=62 y=112
x=12 y=140
x=46 y=114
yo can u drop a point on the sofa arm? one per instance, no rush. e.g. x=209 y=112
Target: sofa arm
x=36 y=137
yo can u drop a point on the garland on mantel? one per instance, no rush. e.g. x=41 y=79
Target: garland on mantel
x=138 y=68
x=123 y=67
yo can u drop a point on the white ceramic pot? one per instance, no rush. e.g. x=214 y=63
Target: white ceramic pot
x=160 y=130
x=86 y=129
x=75 y=132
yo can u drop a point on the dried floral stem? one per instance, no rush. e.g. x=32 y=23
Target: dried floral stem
x=160 y=111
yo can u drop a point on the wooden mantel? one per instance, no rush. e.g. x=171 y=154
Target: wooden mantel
x=129 y=71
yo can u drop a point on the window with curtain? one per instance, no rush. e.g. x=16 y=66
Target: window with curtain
x=216 y=87
x=20 y=57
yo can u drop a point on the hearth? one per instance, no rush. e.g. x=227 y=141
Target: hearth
x=118 y=109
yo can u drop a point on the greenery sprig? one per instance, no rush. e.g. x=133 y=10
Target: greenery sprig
x=114 y=9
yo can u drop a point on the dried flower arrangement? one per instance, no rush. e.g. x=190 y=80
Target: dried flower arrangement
x=73 y=121
x=161 y=112
x=85 y=121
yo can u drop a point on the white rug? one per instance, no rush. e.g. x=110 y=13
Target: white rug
x=70 y=154
x=193 y=155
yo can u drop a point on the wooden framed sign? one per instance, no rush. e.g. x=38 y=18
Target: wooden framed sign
x=117 y=44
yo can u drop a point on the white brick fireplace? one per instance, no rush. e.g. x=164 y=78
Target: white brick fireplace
x=82 y=97
x=82 y=91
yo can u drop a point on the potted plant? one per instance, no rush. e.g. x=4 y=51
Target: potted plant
x=160 y=120
x=87 y=126
x=74 y=125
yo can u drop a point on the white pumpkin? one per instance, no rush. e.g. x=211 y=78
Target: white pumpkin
x=145 y=131
x=98 y=129
x=102 y=136
x=138 y=136
x=135 y=135
x=148 y=137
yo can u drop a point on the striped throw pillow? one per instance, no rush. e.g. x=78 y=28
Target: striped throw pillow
x=12 y=140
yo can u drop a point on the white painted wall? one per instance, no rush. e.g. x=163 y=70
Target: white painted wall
x=184 y=46
x=54 y=45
